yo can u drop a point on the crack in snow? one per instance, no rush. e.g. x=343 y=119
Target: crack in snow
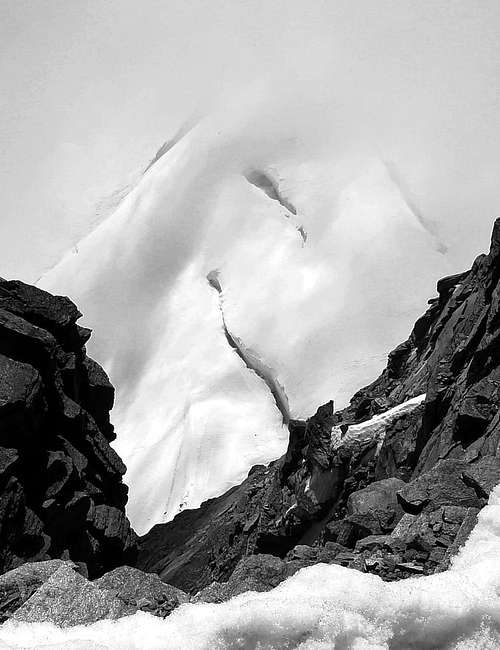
x=410 y=201
x=250 y=358
x=264 y=182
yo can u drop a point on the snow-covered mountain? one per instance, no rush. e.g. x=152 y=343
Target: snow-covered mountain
x=398 y=543
x=236 y=286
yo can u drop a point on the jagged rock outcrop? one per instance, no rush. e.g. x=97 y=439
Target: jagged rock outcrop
x=67 y=598
x=61 y=489
x=428 y=430
x=18 y=585
x=203 y=545
x=55 y=591
x=142 y=591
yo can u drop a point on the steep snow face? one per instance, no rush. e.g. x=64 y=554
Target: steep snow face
x=318 y=312
x=320 y=607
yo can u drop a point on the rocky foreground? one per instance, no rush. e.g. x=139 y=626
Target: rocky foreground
x=391 y=485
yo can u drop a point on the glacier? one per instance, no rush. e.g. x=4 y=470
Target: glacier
x=322 y=262
x=319 y=608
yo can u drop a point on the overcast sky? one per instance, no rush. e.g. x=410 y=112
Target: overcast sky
x=90 y=90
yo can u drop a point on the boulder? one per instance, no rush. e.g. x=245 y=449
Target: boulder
x=18 y=585
x=466 y=527
x=399 y=451
x=8 y=460
x=60 y=471
x=67 y=598
x=99 y=396
x=144 y=591
x=303 y=555
x=442 y=485
x=352 y=529
x=53 y=313
x=376 y=507
x=111 y=524
x=373 y=542
x=430 y=530
x=253 y=573
x=22 y=404
x=483 y=475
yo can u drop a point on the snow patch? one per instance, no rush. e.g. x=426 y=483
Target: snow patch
x=365 y=433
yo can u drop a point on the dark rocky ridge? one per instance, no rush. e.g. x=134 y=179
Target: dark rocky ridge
x=397 y=501
x=61 y=489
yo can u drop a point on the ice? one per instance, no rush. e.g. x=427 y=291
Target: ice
x=320 y=315
x=362 y=434
x=321 y=607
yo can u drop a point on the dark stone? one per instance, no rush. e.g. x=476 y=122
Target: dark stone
x=22 y=405
x=59 y=472
x=466 y=527
x=318 y=436
x=376 y=507
x=401 y=446
x=373 y=542
x=410 y=567
x=296 y=442
x=8 y=460
x=144 y=591
x=446 y=285
x=67 y=598
x=442 y=485
x=112 y=523
x=253 y=573
x=352 y=529
x=53 y=313
x=99 y=396
x=18 y=585
x=483 y=475
x=56 y=464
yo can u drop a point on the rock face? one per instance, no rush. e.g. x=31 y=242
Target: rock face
x=391 y=485
x=67 y=599
x=55 y=592
x=18 y=585
x=142 y=591
x=61 y=490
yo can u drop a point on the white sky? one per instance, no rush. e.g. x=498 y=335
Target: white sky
x=90 y=90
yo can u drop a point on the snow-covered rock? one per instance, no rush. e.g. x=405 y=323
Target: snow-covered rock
x=365 y=433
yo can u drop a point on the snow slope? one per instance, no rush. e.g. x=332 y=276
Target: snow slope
x=322 y=265
x=320 y=607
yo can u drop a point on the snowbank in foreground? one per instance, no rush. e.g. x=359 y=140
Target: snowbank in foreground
x=321 y=607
